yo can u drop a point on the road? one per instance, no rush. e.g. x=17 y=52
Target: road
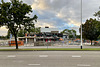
x=50 y=59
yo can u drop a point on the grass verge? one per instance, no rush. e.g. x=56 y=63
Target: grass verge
x=53 y=49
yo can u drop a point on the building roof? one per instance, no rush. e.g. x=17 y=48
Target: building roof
x=49 y=29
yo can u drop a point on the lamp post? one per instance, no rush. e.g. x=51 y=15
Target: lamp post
x=81 y=24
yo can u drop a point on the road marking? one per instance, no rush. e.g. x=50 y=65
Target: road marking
x=33 y=64
x=43 y=55
x=11 y=56
x=83 y=65
x=20 y=61
x=76 y=56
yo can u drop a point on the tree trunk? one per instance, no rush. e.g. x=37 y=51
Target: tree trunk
x=16 y=41
x=91 y=42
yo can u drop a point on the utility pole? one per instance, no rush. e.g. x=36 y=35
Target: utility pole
x=81 y=24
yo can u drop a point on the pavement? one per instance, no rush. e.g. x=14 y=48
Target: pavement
x=49 y=58
x=63 y=46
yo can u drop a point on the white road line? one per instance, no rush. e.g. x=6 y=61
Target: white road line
x=33 y=64
x=19 y=61
x=76 y=56
x=43 y=55
x=83 y=65
x=11 y=56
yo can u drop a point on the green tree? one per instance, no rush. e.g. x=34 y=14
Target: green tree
x=8 y=34
x=21 y=33
x=71 y=33
x=78 y=36
x=29 y=26
x=14 y=15
x=36 y=30
x=3 y=37
x=90 y=29
x=97 y=14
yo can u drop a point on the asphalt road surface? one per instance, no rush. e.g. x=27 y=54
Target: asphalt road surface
x=50 y=59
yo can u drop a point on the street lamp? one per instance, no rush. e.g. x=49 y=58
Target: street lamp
x=81 y=24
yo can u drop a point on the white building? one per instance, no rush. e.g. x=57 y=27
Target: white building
x=49 y=30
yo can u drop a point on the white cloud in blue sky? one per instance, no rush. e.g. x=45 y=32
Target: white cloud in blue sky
x=62 y=14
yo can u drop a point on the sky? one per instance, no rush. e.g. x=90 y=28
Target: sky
x=61 y=14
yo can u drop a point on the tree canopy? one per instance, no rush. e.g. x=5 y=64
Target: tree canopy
x=71 y=33
x=90 y=30
x=97 y=14
x=22 y=32
x=15 y=16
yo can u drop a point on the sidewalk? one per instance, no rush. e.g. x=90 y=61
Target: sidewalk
x=63 y=46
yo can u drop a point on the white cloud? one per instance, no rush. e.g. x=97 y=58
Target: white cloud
x=74 y=22
x=39 y=4
x=41 y=23
x=3 y=31
x=62 y=14
x=51 y=1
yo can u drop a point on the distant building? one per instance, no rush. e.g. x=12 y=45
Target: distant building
x=47 y=34
x=49 y=30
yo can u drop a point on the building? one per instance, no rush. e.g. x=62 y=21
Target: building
x=49 y=30
x=47 y=35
